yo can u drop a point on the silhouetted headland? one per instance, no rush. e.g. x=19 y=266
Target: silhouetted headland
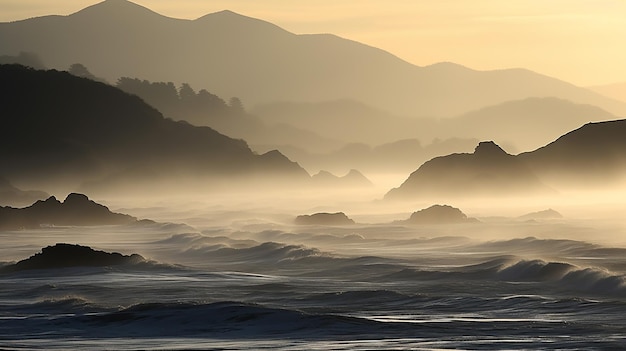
x=489 y=171
x=591 y=156
x=69 y=130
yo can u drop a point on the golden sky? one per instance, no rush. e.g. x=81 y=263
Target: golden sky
x=580 y=41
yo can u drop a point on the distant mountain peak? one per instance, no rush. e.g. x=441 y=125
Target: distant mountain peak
x=116 y=8
x=238 y=22
x=489 y=149
x=229 y=13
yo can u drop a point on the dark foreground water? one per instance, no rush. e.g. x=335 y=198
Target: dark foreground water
x=362 y=288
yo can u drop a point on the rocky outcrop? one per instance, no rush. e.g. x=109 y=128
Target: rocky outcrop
x=323 y=218
x=439 y=214
x=68 y=255
x=76 y=210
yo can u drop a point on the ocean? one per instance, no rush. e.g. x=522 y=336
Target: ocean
x=254 y=283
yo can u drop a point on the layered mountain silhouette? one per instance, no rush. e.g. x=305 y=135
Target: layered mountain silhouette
x=12 y=196
x=261 y=63
x=489 y=171
x=28 y=59
x=616 y=90
x=541 y=215
x=521 y=124
x=592 y=156
x=352 y=179
x=70 y=255
x=71 y=130
x=526 y=124
x=230 y=118
x=399 y=156
x=75 y=210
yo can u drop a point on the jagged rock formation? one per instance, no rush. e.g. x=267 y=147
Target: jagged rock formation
x=323 y=218
x=76 y=210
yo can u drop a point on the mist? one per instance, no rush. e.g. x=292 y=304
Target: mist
x=223 y=183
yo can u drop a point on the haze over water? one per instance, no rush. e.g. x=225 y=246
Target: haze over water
x=247 y=187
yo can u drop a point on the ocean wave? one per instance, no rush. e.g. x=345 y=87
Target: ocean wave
x=55 y=306
x=561 y=275
x=237 y=250
x=588 y=279
x=595 y=280
x=535 y=270
x=66 y=303
x=365 y=298
x=198 y=241
x=270 y=251
x=548 y=247
x=224 y=318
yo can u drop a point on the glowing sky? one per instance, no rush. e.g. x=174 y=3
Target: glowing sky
x=580 y=41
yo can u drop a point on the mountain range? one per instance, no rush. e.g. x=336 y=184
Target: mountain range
x=522 y=125
x=234 y=55
x=67 y=131
x=13 y=196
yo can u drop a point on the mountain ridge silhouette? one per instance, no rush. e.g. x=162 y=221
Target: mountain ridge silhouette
x=590 y=157
x=76 y=130
x=260 y=62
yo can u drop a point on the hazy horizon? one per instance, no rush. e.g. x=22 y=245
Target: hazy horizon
x=574 y=41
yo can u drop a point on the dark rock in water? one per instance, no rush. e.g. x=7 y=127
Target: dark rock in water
x=545 y=214
x=439 y=214
x=323 y=218
x=10 y=195
x=77 y=210
x=68 y=255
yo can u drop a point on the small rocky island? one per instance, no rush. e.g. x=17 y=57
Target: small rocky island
x=439 y=214
x=69 y=255
x=324 y=218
